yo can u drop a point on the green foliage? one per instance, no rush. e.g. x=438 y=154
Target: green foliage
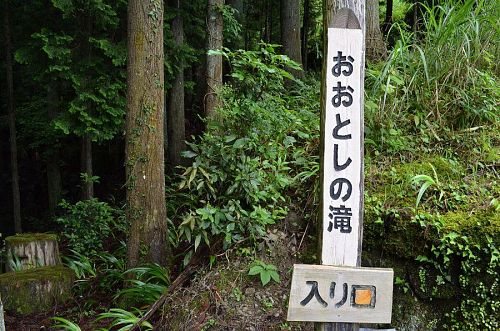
x=144 y=285
x=82 y=265
x=99 y=273
x=242 y=164
x=87 y=224
x=231 y=26
x=83 y=60
x=477 y=279
x=14 y=262
x=64 y=324
x=399 y=10
x=427 y=181
x=124 y=319
x=265 y=271
x=439 y=80
x=260 y=71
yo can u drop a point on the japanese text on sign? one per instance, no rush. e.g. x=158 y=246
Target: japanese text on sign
x=346 y=294
x=342 y=154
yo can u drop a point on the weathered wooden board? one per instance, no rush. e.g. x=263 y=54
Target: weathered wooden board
x=343 y=148
x=340 y=294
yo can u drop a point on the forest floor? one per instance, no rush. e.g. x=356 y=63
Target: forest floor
x=227 y=298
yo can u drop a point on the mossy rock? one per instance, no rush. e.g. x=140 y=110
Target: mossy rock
x=36 y=290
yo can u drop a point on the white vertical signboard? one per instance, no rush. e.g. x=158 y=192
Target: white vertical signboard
x=338 y=291
x=342 y=165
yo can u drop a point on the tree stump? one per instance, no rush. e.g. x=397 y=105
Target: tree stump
x=2 y=321
x=36 y=290
x=31 y=250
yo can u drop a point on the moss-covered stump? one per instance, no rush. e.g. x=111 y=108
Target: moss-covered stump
x=36 y=290
x=29 y=250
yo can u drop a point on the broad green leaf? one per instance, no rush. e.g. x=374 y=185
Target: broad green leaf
x=197 y=241
x=255 y=270
x=275 y=277
x=265 y=277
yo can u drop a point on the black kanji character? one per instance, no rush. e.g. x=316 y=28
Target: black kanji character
x=339 y=126
x=314 y=292
x=335 y=194
x=332 y=290
x=341 y=219
x=336 y=164
x=341 y=62
x=344 y=297
x=340 y=93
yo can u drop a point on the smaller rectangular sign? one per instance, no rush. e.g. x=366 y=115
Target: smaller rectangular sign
x=322 y=293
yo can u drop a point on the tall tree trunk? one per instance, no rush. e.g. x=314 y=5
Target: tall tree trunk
x=269 y=21
x=290 y=32
x=330 y=8
x=144 y=153
x=305 y=31
x=214 y=62
x=12 y=121
x=416 y=4
x=388 y=15
x=175 y=123
x=87 y=169
x=375 y=45
x=240 y=17
x=52 y=162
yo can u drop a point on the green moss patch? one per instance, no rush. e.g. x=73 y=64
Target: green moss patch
x=30 y=237
x=36 y=290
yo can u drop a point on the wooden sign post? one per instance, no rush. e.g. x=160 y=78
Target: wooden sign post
x=340 y=291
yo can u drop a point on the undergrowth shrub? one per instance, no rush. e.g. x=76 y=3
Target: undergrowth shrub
x=87 y=224
x=465 y=263
x=444 y=78
x=245 y=161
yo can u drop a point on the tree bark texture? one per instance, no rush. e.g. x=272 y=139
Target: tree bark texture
x=375 y=45
x=176 y=131
x=144 y=153
x=38 y=252
x=388 y=15
x=214 y=62
x=290 y=32
x=343 y=19
x=305 y=32
x=268 y=14
x=2 y=320
x=87 y=169
x=54 y=184
x=16 y=197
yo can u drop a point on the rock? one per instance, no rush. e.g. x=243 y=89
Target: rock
x=250 y=291
x=31 y=250
x=36 y=290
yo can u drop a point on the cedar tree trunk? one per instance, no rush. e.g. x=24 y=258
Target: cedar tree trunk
x=290 y=32
x=388 y=15
x=54 y=186
x=375 y=45
x=12 y=121
x=86 y=164
x=305 y=31
x=144 y=153
x=214 y=62
x=175 y=123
